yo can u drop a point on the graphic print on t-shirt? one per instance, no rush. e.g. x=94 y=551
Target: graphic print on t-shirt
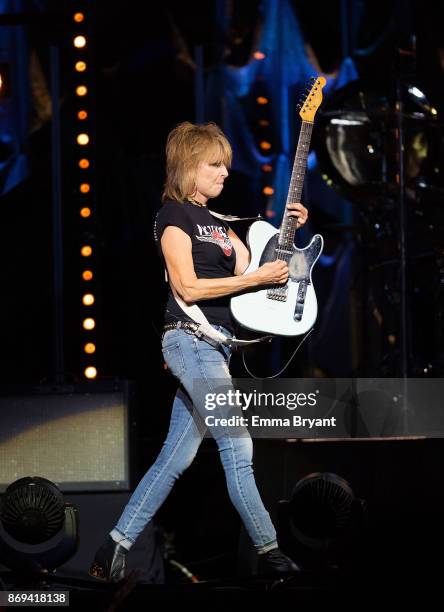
x=215 y=234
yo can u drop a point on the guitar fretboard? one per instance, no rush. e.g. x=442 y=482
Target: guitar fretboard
x=288 y=226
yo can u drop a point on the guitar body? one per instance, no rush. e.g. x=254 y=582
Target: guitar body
x=288 y=310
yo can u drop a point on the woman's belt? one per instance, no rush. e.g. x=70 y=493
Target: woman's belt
x=193 y=327
x=199 y=330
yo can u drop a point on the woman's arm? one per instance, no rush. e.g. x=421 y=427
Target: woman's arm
x=176 y=249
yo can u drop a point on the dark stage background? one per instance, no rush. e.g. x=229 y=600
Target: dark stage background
x=144 y=61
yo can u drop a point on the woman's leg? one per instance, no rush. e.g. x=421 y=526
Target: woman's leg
x=203 y=370
x=185 y=434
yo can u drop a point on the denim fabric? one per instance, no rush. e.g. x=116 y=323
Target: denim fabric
x=200 y=368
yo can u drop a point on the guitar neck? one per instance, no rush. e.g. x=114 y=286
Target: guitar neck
x=287 y=229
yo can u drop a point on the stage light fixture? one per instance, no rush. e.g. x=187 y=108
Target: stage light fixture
x=90 y=372
x=89 y=323
x=84 y=187
x=321 y=524
x=82 y=139
x=265 y=145
x=89 y=348
x=40 y=530
x=88 y=299
x=262 y=100
x=86 y=251
x=79 y=42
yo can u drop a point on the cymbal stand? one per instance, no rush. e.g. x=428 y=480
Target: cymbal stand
x=403 y=330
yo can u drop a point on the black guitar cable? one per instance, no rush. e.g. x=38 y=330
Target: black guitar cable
x=285 y=366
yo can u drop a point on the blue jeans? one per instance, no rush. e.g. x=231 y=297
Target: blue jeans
x=201 y=369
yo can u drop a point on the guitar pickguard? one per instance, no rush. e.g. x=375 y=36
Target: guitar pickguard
x=269 y=253
x=300 y=262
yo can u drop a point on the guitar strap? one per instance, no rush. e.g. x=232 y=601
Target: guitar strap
x=205 y=329
x=211 y=335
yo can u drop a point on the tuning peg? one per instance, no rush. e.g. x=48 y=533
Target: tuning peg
x=298 y=106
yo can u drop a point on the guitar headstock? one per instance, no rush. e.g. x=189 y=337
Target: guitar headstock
x=313 y=100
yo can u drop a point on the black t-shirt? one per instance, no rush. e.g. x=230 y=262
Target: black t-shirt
x=213 y=256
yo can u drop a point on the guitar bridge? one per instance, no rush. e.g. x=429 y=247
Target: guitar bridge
x=279 y=294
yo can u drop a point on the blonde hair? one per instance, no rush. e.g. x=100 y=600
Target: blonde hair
x=187 y=145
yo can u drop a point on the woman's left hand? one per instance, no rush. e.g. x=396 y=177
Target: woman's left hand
x=298 y=211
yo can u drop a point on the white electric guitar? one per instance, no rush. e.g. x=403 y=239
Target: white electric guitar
x=291 y=309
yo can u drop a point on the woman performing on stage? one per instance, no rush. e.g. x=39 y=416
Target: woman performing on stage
x=205 y=261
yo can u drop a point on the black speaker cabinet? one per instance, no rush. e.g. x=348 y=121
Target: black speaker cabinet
x=78 y=436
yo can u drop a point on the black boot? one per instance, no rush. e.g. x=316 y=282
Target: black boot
x=109 y=562
x=275 y=562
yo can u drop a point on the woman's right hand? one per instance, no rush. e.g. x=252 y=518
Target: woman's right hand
x=273 y=273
